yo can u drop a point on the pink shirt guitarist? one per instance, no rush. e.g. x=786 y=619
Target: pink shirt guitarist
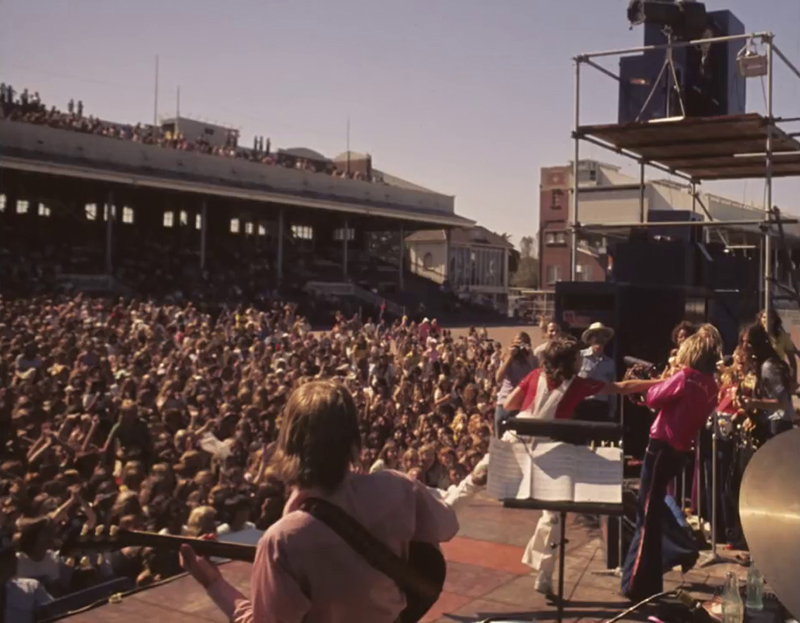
x=305 y=572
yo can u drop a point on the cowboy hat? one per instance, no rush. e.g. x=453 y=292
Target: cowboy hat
x=597 y=329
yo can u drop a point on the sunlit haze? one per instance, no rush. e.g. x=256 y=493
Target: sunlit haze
x=465 y=97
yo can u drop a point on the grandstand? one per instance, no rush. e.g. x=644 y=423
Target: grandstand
x=96 y=205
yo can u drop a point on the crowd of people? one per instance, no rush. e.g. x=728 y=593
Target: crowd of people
x=28 y=108
x=168 y=417
x=165 y=418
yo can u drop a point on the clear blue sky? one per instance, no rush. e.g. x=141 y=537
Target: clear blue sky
x=468 y=97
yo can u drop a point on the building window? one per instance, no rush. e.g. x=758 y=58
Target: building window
x=249 y=228
x=198 y=221
x=44 y=210
x=555 y=237
x=2 y=203
x=127 y=215
x=105 y=212
x=234 y=229
x=91 y=211
x=302 y=232
x=584 y=272
x=22 y=207
x=169 y=219
x=555 y=199
x=262 y=231
x=553 y=274
x=184 y=218
x=427 y=261
x=339 y=233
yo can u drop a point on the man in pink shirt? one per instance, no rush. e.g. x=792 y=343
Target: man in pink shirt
x=303 y=570
x=684 y=401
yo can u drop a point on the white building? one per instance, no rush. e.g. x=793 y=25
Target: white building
x=473 y=261
x=609 y=196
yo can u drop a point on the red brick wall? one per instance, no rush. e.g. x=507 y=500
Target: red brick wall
x=554 y=196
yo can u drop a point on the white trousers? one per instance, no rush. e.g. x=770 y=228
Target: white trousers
x=540 y=553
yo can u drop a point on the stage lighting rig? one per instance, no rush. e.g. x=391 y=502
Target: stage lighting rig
x=685 y=19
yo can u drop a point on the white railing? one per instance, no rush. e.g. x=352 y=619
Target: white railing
x=93 y=283
x=336 y=288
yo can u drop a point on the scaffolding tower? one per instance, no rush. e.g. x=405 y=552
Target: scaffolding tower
x=695 y=149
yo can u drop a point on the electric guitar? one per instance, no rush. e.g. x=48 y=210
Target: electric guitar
x=426 y=560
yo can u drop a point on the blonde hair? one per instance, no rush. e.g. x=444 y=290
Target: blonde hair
x=713 y=334
x=198 y=517
x=701 y=351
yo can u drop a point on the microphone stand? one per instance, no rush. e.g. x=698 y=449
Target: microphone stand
x=617 y=571
x=712 y=557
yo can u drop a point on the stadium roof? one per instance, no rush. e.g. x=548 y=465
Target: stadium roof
x=304 y=152
x=393 y=180
x=461 y=235
x=353 y=155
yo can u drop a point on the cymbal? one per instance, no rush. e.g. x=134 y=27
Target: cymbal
x=769 y=507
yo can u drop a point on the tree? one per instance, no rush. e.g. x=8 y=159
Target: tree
x=527 y=273
x=526 y=247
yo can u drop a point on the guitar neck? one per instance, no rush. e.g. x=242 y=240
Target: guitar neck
x=204 y=547
x=136 y=538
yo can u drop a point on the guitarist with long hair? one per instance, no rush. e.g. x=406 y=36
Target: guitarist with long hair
x=775 y=382
x=344 y=549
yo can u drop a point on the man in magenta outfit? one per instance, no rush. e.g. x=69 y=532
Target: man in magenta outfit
x=684 y=401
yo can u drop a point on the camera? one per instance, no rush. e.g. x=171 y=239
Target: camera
x=521 y=350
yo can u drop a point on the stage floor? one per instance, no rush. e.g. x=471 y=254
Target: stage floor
x=485 y=577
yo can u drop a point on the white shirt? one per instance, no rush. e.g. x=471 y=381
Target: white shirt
x=226 y=529
x=458 y=496
x=23 y=598
x=47 y=569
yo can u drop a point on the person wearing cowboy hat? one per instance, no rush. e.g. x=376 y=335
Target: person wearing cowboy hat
x=598 y=366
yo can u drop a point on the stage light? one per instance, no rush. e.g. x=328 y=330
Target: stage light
x=750 y=63
x=685 y=18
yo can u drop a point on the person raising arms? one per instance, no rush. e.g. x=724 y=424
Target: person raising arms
x=555 y=389
x=303 y=570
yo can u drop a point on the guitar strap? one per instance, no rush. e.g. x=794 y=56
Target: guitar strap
x=375 y=552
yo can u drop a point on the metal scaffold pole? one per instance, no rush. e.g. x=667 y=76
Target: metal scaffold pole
x=768 y=176
x=573 y=252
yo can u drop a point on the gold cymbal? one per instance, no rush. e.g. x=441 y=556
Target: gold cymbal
x=769 y=506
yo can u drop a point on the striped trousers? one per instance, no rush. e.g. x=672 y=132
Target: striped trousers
x=642 y=575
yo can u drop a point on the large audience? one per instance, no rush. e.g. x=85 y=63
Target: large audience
x=164 y=418
x=28 y=108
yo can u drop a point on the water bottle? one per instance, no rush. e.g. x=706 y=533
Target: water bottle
x=732 y=606
x=755 y=589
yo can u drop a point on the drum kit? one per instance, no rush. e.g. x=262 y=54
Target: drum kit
x=769 y=497
x=769 y=507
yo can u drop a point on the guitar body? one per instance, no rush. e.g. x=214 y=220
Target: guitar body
x=429 y=563
x=425 y=559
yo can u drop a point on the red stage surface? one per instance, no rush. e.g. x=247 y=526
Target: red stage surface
x=485 y=577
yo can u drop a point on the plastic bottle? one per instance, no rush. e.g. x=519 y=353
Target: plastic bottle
x=732 y=606
x=755 y=589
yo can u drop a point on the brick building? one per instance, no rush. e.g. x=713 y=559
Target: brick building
x=555 y=206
